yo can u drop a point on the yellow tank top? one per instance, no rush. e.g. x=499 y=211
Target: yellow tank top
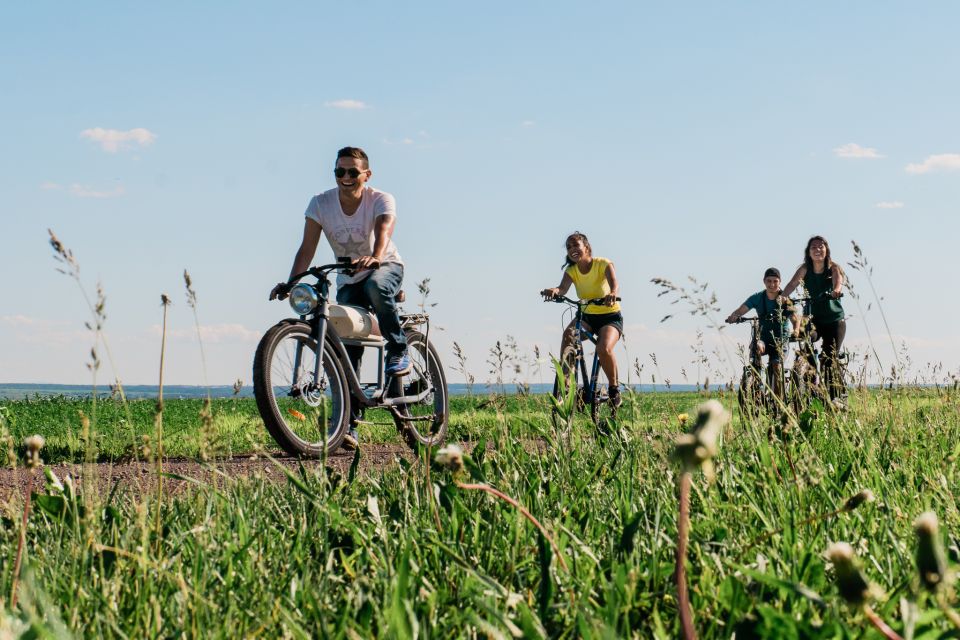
x=593 y=284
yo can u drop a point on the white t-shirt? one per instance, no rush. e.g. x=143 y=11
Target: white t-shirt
x=352 y=236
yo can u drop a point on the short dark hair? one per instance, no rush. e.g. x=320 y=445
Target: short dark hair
x=354 y=152
x=772 y=271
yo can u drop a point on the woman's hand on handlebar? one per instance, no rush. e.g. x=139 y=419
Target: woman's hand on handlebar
x=550 y=294
x=731 y=318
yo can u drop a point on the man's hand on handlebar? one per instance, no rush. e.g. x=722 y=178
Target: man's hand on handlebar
x=280 y=291
x=365 y=262
x=731 y=319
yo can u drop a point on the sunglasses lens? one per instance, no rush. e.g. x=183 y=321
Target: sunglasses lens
x=339 y=172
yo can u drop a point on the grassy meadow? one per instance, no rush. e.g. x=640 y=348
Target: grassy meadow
x=410 y=551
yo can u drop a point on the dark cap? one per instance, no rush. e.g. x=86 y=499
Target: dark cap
x=772 y=271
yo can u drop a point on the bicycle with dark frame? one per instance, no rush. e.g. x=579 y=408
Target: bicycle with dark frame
x=807 y=375
x=304 y=382
x=589 y=390
x=761 y=386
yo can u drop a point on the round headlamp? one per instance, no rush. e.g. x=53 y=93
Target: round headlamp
x=303 y=299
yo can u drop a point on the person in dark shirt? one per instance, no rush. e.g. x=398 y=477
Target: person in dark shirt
x=823 y=281
x=776 y=313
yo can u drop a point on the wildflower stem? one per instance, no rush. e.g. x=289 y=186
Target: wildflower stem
x=683 y=527
x=431 y=497
x=23 y=539
x=165 y=302
x=881 y=626
x=529 y=516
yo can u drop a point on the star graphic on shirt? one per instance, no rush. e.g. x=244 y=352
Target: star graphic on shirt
x=354 y=248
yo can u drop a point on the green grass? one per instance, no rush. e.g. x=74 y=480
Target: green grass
x=320 y=556
x=236 y=427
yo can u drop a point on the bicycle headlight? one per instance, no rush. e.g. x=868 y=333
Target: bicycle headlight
x=303 y=299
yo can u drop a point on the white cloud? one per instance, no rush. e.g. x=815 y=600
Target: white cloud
x=50 y=186
x=939 y=162
x=528 y=123
x=113 y=140
x=82 y=191
x=29 y=330
x=350 y=105
x=895 y=204
x=853 y=150
x=214 y=333
x=19 y=320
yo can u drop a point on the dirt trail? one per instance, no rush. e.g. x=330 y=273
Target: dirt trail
x=134 y=478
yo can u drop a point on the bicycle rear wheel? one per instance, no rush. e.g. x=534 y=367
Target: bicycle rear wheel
x=301 y=412
x=423 y=423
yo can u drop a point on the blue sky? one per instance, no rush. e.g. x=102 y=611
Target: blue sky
x=699 y=139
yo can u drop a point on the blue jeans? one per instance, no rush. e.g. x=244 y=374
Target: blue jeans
x=377 y=292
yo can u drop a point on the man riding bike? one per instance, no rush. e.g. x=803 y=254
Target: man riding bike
x=774 y=311
x=359 y=222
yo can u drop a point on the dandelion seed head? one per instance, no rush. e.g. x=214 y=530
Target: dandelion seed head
x=451 y=457
x=33 y=444
x=926 y=524
x=851 y=582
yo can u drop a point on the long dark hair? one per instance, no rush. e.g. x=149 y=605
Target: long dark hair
x=828 y=263
x=576 y=235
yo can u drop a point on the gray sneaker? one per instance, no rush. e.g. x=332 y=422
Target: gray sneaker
x=351 y=441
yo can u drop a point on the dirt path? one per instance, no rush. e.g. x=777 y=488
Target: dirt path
x=135 y=478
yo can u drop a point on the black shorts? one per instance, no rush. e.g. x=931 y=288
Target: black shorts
x=597 y=321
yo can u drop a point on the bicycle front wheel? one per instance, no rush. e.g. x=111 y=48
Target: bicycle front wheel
x=423 y=423
x=750 y=393
x=304 y=413
x=561 y=387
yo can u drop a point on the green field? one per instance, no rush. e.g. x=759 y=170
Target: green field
x=320 y=555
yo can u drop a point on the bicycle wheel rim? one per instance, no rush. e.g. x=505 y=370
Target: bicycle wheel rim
x=310 y=412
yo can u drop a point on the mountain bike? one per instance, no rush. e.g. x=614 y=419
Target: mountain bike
x=590 y=390
x=806 y=375
x=304 y=382
x=756 y=382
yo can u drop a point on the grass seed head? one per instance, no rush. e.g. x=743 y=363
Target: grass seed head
x=858 y=499
x=931 y=561
x=851 y=581
x=450 y=457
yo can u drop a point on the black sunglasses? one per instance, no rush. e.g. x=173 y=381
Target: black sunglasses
x=353 y=172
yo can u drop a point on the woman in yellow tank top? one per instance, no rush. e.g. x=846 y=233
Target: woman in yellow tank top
x=593 y=277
